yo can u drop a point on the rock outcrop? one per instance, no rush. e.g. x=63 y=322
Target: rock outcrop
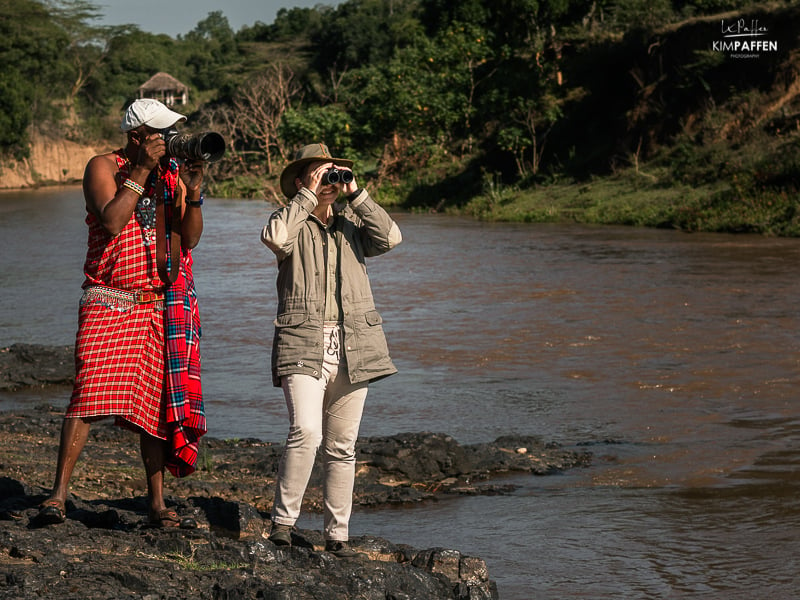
x=28 y=365
x=106 y=548
x=103 y=551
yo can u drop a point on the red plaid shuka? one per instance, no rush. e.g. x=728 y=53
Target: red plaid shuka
x=126 y=366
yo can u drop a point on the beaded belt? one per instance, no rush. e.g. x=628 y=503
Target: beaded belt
x=121 y=300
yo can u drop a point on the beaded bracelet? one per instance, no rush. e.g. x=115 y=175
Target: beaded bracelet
x=132 y=185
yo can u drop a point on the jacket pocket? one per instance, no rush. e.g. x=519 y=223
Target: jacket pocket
x=371 y=340
x=290 y=319
x=373 y=318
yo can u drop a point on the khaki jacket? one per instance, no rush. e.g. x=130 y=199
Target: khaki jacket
x=363 y=229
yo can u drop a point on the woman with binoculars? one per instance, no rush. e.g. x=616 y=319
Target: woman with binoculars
x=329 y=343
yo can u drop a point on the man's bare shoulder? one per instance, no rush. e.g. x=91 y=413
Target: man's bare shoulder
x=102 y=163
x=106 y=159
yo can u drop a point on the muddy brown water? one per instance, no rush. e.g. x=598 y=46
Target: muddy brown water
x=673 y=358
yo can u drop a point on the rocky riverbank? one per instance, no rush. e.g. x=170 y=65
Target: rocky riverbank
x=105 y=549
x=28 y=365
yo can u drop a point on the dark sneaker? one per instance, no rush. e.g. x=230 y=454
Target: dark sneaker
x=342 y=550
x=281 y=535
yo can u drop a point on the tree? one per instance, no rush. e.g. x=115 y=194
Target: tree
x=211 y=47
x=364 y=32
x=88 y=47
x=426 y=92
x=260 y=105
x=34 y=70
x=294 y=23
x=462 y=61
x=15 y=112
x=72 y=17
x=525 y=134
x=329 y=124
x=133 y=57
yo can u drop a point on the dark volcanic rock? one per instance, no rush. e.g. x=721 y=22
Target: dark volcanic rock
x=410 y=467
x=105 y=550
x=118 y=556
x=24 y=365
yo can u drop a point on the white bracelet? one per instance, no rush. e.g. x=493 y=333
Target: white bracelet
x=132 y=185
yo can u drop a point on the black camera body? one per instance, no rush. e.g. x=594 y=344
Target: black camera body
x=208 y=145
x=335 y=175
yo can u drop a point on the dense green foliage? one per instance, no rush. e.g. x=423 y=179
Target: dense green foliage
x=505 y=109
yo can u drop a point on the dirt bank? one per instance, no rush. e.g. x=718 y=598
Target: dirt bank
x=51 y=161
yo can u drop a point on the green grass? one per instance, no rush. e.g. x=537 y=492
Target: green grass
x=645 y=200
x=625 y=199
x=190 y=564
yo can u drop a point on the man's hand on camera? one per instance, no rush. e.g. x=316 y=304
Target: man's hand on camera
x=150 y=151
x=191 y=172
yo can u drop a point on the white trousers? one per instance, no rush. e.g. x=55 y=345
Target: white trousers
x=324 y=415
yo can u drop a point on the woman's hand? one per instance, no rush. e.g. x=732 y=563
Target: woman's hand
x=352 y=186
x=314 y=178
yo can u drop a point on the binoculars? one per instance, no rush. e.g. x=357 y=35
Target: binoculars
x=335 y=175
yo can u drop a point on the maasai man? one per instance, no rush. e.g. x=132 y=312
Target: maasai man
x=136 y=353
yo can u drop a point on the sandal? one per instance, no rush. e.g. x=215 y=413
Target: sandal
x=51 y=512
x=169 y=518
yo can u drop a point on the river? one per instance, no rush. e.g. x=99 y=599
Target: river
x=673 y=358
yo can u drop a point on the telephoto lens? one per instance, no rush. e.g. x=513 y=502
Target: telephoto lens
x=208 y=146
x=335 y=175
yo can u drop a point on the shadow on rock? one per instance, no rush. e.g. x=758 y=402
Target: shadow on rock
x=106 y=547
x=103 y=550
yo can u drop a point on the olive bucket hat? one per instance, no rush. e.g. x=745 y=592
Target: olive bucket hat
x=305 y=155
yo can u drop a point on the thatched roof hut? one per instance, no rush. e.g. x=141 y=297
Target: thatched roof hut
x=163 y=86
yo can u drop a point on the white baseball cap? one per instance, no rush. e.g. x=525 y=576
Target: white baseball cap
x=150 y=112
